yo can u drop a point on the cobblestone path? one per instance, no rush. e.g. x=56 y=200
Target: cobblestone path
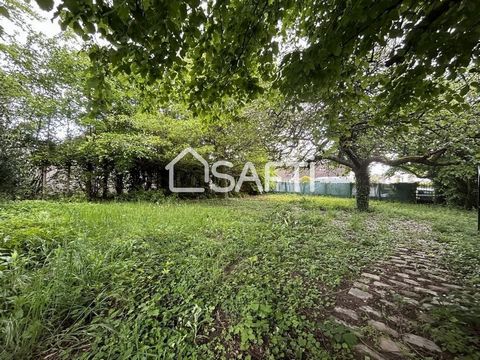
x=392 y=300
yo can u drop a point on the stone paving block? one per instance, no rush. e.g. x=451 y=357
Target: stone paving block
x=341 y=322
x=360 y=285
x=436 y=277
x=371 y=276
x=410 y=301
x=398 y=283
x=421 y=342
x=380 y=284
x=370 y=310
x=364 y=280
x=426 y=291
x=424 y=267
x=380 y=292
x=440 y=301
x=438 y=288
x=412 y=272
x=388 y=303
x=411 y=282
x=452 y=286
x=389 y=345
x=397 y=319
x=403 y=275
x=380 y=326
x=365 y=350
x=408 y=269
x=423 y=279
x=427 y=306
x=360 y=294
x=399 y=262
x=350 y=313
x=417 y=255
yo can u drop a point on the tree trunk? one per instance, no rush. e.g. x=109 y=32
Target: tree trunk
x=362 y=184
x=135 y=179
x=161 y=182
x=69 y=180
x=105 y=177
x=119 y=183
x=158 y=180
x=89 y=181
x=44 y=180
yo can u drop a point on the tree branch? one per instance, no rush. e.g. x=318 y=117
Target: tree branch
x=417 y=174
x=335 y=159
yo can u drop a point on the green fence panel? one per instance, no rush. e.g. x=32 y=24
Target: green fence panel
x=320 y=188
x=404 y=192
x=339 y=189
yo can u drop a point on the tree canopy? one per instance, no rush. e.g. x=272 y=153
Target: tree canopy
x=232 y=47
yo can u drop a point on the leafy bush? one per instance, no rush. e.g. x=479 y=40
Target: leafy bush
x=458 y=185
x=141 y=195
x=455 y=329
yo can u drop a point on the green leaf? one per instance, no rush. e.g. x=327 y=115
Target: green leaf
x=4 y=12
x=337 y=50
x=464 y=90
x=350 y=339
x=90 y=27
x=124 y=13
x=46 y=5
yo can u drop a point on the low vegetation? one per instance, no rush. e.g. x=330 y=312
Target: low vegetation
x=253 y=277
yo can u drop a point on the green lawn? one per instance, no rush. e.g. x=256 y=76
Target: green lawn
x=199 y=279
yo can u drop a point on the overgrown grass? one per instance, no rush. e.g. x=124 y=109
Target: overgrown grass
x=197 y=279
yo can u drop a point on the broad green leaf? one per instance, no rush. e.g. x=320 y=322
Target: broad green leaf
x=46 y=5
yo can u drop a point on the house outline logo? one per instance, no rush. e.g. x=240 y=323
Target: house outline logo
x=235 y=185
x=171 y=174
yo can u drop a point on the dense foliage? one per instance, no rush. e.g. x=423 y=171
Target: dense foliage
x=62 y=134
x=41 y=100
x=231 y=48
